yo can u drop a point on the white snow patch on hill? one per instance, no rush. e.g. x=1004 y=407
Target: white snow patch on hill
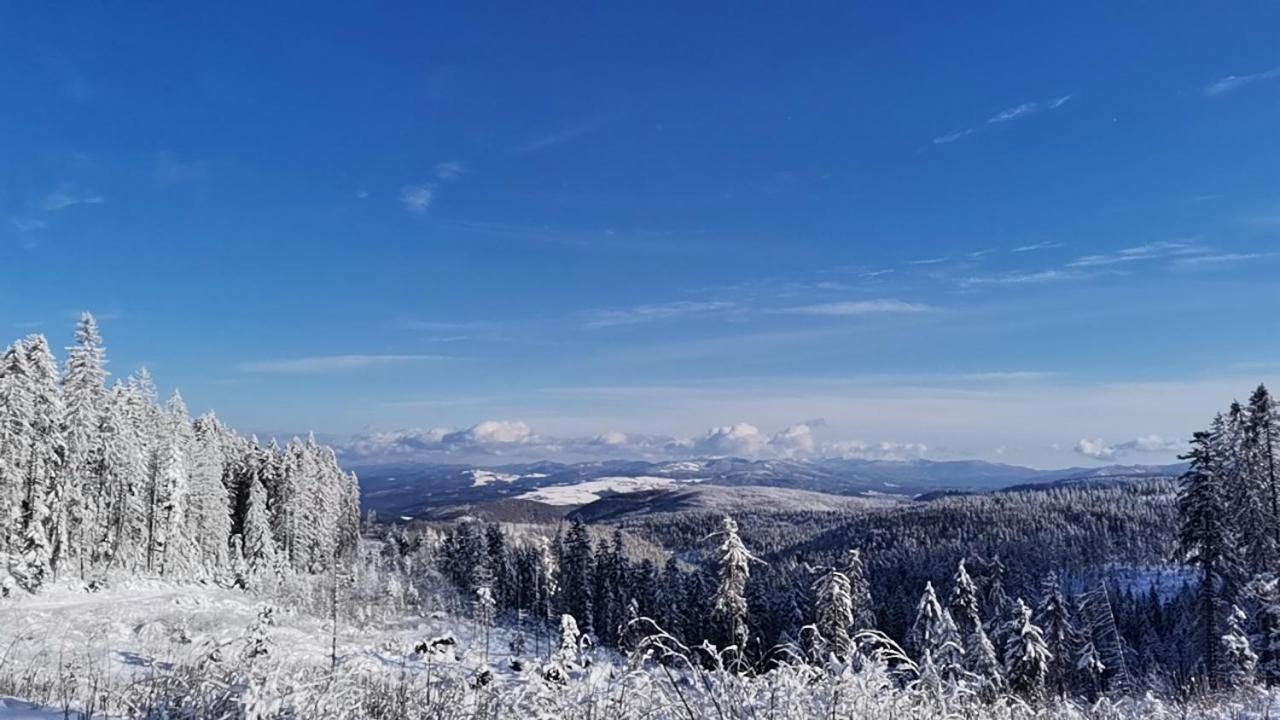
x=480 y=478
x=592 y=490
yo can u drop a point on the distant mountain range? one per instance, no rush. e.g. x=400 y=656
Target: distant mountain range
x=607 y=488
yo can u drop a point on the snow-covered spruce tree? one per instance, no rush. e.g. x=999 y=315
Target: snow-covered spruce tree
x=47 y=487
x=208 y=517
x=1204 y=540
x=576 y=576
x=833 y=614
x=1247 y=495
x=175 y=547
x=259 y=547
x=729 y=603
x=862 y=608
x=1267 y=594
x=980 y=657
x=1027 y=657
x=1238 y=662
x=1262 y=445
x=1053 y=615
x=15 y=438
x=80 y=488
x=934 y=637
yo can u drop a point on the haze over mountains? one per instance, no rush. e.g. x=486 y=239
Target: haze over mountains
x=543 y=489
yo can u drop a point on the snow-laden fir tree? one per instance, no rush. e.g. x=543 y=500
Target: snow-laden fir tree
x=980 y=656
x=934 y=637
x=46 y=451
x=1205 y=541
x=833 y=614
x=259 y=547
x=733 y=571
x=863 y=609
x=1266 y=591
x=1238 y=662
x=1261 y=447
x=1053 y=615
x=80 y=486
x=1247 y=495
x=1026 y=657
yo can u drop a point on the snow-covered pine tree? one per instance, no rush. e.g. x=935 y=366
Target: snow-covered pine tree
x=259 y=548
x=1204 y=539
x=1238 y=662
x=175 y=547
x=864 y=612
x=1053 y=615
x=15 y=433
x=1267 y=594
x=208 y=517
x=1027 y=657
x=733 y=565
x=980 y=656
x=1262 y=443
x=833 y=614
x=47 y=487
x=933 y=635
x=80 y=488
x=576 y=576
x=1246 y=493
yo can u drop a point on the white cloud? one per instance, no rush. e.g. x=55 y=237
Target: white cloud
x=861 y=307
x=878 y=451
x=451 y=170
x=560 y=137
x=27 y=224
x=737 y=439
x=1097 y=449
x=416 y=198
x=1139 y=253
x=1004 y=116
x=66 y=196
x=610 y=317
x=1020 y=278
x=330 y=363
x=1230 y=83
x=1037 y=246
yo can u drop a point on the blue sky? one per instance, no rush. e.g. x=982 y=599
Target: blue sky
x=993 y=231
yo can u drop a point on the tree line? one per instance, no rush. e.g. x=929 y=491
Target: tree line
x=99 y=479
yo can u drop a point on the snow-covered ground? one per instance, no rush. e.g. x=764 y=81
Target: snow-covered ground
x=202 y=651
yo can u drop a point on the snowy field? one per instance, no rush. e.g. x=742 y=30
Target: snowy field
x=156 y=649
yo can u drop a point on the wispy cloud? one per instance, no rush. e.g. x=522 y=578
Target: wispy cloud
x=416 y=198
x=930 y=261
x=1231 y=83
x=1149 y=251
x=451 y=170
x=611 y=317
x=1047 y=245
x=68 y=195
x=1220 y=258
x=27 y=224
x=1021 y=278
x=560 y=137
x=1004 y=116
x=320 y=364
x=880 y=306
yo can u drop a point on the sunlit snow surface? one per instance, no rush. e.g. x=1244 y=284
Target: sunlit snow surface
x=592 y=490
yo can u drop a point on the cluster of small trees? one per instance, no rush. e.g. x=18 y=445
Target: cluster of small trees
x=97 y=478
x=1229 y=511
